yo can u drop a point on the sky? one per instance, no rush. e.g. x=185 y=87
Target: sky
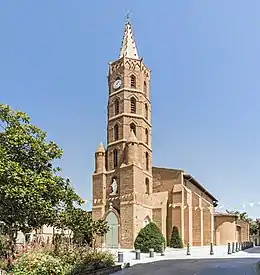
x=205 y=84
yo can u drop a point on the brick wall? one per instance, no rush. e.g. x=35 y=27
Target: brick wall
x=244 y=230
x=127 y=225
x=157 y=217
x=225 y=229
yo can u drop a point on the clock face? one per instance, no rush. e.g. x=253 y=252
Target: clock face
x=117 y=84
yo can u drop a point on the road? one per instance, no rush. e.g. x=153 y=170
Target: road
x=244 y=266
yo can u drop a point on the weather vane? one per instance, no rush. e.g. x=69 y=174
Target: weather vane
x=128 y=17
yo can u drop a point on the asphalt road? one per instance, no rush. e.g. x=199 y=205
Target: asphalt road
x=243 y=266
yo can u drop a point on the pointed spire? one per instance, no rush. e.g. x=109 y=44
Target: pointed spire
x=128 y=44
x=101 y=148
x=132 y=137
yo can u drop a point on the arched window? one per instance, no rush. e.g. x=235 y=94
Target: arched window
x=147 y=187
x=115 y=158
x=146 y=136
x=133 y=127
x=145 y=88
x=147 y=161
x=146 y=111
x=133 y=81
x=116 y=136
x=116 y=106
x=133 y=105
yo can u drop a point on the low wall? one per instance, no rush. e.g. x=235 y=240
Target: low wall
x=103 y=271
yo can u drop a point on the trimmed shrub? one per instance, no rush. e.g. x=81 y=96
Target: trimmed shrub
x=176 y=241
x=149 y=237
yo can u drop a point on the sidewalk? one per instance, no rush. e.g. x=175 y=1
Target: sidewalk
x=220 y=252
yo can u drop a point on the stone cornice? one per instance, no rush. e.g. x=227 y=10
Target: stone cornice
x=130 y=90
x=130 y=115
x=124 y=140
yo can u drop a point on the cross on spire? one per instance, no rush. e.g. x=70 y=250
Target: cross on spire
x=127 y=18
x=128 y=44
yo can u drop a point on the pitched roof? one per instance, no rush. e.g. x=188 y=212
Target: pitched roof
x=100 y=148
x=132 y=137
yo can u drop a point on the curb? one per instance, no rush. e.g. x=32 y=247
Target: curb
x=258 y=267
x=104 y=271
x=123 y=265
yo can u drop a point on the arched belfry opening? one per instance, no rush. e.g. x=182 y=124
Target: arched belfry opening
x=116 y=107
x=133 y=81
x=133 y=127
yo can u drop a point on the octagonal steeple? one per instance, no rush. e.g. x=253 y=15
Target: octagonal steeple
x=128 y=48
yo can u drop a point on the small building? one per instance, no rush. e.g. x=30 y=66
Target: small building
x=229 y=228
x=44 y=235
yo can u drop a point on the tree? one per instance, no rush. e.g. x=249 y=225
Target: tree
x=242 y=216
x=32 y=193
x=84 y=229
x=254 y=228
x=176 y=241
x=149 y=237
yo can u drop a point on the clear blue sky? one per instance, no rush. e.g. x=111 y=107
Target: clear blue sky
x=204 y=57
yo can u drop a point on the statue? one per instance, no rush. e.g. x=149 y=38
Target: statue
x=114 y=187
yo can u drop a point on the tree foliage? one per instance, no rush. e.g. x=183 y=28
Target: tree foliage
x=176 y=241
x=84 y=229
x=241 y=215
x=32 y=193
x=149 y=237
x=254 y=228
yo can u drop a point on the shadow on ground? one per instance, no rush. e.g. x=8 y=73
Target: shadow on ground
x=253 y=250
x=234 y=266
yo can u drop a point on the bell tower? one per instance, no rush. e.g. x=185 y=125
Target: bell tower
x=129 y=106
x=124 y=183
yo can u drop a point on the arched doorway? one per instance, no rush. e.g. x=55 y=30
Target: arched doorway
x=112 y=235
x=146 y=221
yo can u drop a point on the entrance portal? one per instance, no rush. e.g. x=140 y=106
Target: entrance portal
x=112 y=234
x=146 y=221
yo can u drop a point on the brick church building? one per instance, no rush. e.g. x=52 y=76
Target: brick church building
x=127 y=190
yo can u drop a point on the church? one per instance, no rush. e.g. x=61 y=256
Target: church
x=127 y=190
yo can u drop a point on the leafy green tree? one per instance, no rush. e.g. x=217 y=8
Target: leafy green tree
x=32 y=193
x=254 y=228
x=85 y=230
x=176 y=241
x=242 y=216
x=149 y=237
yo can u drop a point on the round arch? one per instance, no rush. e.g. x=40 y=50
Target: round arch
x=146 y=221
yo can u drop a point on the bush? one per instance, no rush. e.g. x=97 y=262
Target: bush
x=4 y=246
x=4 y=265
x=92 y=261
x=70 y=260
x=84 y=258
x=149 y=237
x=40 y=264
x=176 y=241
